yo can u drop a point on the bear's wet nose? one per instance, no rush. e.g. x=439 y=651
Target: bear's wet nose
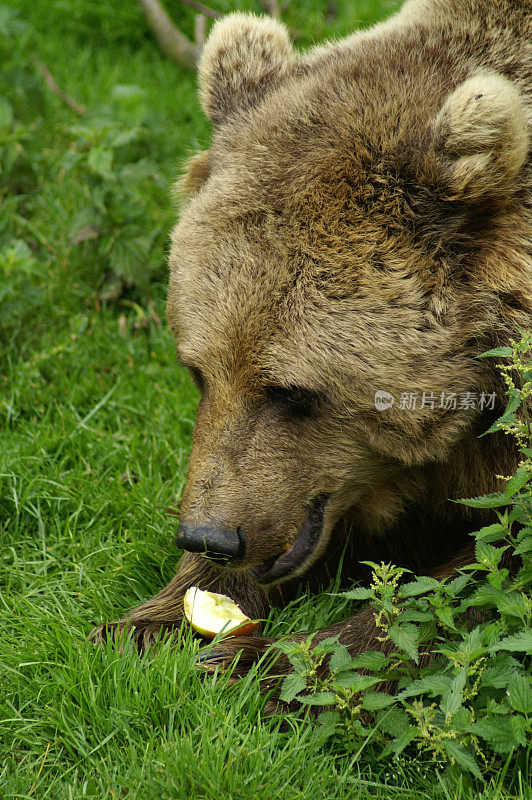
x=218 y=544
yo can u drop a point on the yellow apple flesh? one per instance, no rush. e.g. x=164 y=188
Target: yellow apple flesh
x=210 y=613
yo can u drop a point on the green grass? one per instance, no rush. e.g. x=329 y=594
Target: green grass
x=96 y=420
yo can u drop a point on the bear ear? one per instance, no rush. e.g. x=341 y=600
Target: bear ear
x=244 y=57
x=481 y=135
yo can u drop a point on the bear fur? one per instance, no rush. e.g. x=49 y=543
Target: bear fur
x=360 y=224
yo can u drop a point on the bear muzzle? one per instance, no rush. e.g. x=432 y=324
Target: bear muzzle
x=227 y=547
x=220 y=545
x=299 y=554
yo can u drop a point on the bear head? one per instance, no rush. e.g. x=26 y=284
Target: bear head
x=351 y=242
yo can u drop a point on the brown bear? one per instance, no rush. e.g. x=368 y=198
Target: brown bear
x=358 y=233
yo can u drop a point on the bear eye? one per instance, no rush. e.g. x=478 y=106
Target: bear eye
x=294 y=397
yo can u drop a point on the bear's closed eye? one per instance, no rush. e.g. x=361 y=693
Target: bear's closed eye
x=295 y=399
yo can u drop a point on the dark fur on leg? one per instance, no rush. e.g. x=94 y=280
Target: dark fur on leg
x=163 y=614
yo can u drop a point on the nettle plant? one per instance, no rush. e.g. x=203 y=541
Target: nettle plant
x=21 y=284
x=123 y=215
x=470 y=708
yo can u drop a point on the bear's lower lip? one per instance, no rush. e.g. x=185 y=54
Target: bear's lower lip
x=301 y=548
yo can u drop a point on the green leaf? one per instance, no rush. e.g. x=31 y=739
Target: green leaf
x=431 y=684
x=523 y=578
x=489 y=555
x=420 y=586
x=472 y=645
x=497 y=578
x=500 y=673
x=406 y=638
x=526 y=532
x=326 y=726
x=100 y=160
x=497 y=731
x=520 y=642
x=462 y=719
x=524 y=547
x=446 y=616
x=518 y=725
x=493 y=708
x=319 y=699
x=10 y=24
x=394 y=721
x=295 y=653
x=358 y=594
x=513 y=604
x=522 y=476
x=491 y=533
x=373 y=660
x=293 y=684
x=520 y=694
x=464 y=759
x=340 y=659
x=374 y=701
x=459 y=681
x=354 y=681
x=457 y=585
x=493 y=500
x=128 y=95
x=129 y=256
x=485 y=596
x=328 y=645
x=329 y=718
x=397 y=746
x=452 y=700
x=508 y=415
x=124 y=138
x=6 y=114
x=499 y=352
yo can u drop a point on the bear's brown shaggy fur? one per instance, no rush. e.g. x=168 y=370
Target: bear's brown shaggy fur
x=361 y=223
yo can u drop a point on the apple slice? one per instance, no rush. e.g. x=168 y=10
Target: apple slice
x=210 y=613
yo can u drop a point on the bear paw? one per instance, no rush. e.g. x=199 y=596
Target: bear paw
x=138 y=637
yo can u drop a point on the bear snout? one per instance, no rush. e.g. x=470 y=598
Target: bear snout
x=218 y=544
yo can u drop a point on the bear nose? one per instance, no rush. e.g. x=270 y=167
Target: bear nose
x=218 y=544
